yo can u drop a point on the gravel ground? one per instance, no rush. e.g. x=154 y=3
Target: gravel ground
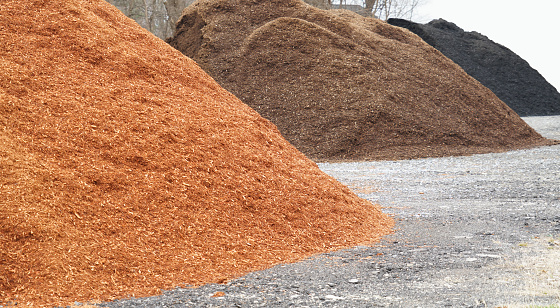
x=475 y=231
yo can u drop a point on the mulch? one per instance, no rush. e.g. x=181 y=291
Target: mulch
x=340 y=86
x=509 y=76
x=125 y=169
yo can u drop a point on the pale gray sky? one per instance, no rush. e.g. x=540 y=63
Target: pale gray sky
x=528 y=28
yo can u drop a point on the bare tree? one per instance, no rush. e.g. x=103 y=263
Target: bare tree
x=174 y=9
x=156 y=16
x=384 y=9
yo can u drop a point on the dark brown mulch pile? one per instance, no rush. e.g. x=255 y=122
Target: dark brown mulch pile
x=340 y=86
x=125 y=169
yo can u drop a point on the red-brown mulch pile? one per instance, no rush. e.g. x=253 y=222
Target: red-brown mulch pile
x=340 y=86
x=125 y=169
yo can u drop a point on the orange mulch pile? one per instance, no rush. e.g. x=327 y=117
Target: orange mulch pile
x=125 y=169
x=340 y=86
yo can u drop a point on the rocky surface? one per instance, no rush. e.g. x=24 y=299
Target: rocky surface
x=510 y=77
x=472 y=231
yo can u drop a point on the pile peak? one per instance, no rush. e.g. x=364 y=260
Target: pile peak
x=125 y=169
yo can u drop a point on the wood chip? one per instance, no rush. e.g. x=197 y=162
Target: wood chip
x=341 y=86
x=125 y=169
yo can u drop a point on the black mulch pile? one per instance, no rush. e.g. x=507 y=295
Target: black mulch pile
x=510 y=77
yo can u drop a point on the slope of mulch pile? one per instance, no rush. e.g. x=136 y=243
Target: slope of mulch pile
x=125 y=169
x=340 y=86
x=510 y=77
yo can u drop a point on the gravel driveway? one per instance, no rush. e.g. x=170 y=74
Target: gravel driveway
x=476 y=231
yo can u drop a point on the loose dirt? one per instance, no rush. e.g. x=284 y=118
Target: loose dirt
x=340 y=86
x=125 y=169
